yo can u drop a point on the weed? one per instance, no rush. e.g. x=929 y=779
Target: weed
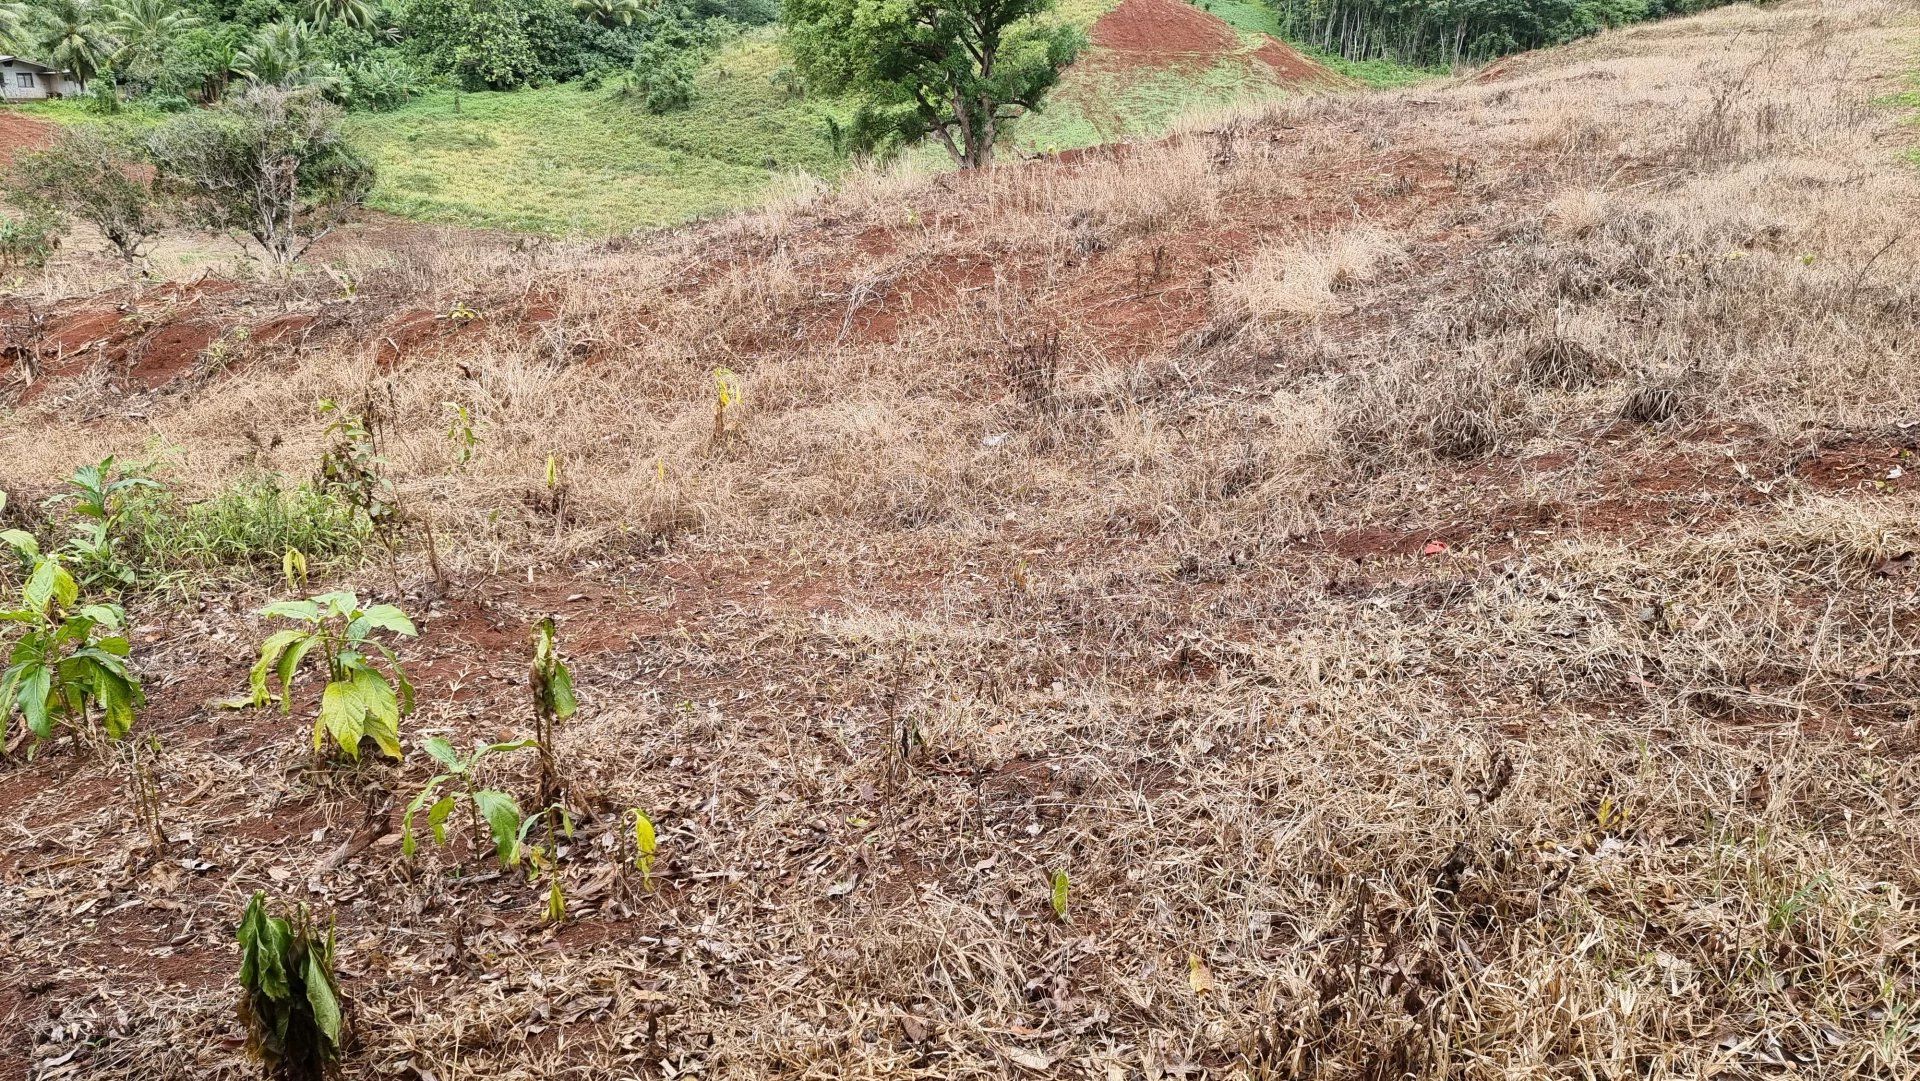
x=289 y=995
x=251 y=526
x=645 y=845
x=359 y=701
x=726 y=396
x=460 y=433
x=99 y=496
x=69 y=664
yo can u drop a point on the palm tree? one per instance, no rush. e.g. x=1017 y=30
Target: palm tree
x=608 y=12
x=13 y=18
x=359 y=14
x=68 y=35
x=281 y=54
x=145 y=27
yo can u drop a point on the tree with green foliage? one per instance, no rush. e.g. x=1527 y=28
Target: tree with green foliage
x=956 y=69
x=143 y=29
x=69 y=34
x=13 y=20
x=1459 y=31
x=282 y=54
x=98 y=175
x=269 y=162
x=359 y=14
x=609 y=12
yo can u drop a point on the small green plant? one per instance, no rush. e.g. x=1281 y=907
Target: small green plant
x=352 y=466
x=100 y=495
x=553 y=702
x=32 y=240
x=69 y=666
x=1057 y=897
x=460 y=433
x=493 y=813
x=359 y=701
x=289 y=996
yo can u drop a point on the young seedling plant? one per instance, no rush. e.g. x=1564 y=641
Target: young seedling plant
x=99 y=497
x=289 y=996
x=494 y=814
x=69 y=666
x=553 y=702
x=359 y=701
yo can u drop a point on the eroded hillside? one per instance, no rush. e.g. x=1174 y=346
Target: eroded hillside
x=1434 y=571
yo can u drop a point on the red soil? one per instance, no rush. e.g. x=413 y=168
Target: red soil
x=1171 y=34
x=18 y=133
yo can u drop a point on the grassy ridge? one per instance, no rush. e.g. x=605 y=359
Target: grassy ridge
x=567 y=159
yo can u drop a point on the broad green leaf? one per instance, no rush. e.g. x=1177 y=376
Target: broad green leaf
x=381 y=617
x=34 y=690
x=21 y=541
x=503 y=821
x=305 y=610
x=560 y=687
x=442 y=752
x=437 y=818
x=382 y=711
x=289 y=667
x=326 y=1010
x=49 y=582
x=644 y=842
x=343 y=715
x=413 y=808
x=337 y=603
x=271 y=651
x=109 y=616
x=1059 y=896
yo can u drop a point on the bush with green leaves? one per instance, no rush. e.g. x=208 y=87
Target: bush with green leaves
x=359 y=701
x=31 y=240
x=68 y=667
x=271 y=163
x=100 y=495
x=98 y=175
x=289 y=995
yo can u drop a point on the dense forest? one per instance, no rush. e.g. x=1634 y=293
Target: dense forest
x=369 y=54
x=1442 y=32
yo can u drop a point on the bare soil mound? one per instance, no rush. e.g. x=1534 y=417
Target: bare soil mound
x=1163 y=33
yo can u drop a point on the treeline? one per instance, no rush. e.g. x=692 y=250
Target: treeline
x=1443 y=32
x=367 y=54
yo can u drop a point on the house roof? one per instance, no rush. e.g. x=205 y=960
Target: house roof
x=21 y=61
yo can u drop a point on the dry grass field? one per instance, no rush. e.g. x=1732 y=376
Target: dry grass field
x=1435 y=570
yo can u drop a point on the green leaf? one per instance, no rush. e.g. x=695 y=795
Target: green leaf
x=556 y=903
x=1059 y=897
x=21 y=541
x=49 y=582
x=343 y=715
x=110 y=616
x=560 y=691
x=382 y=711
x=644 y=842
x=503 y=821
x=302 y=610
x=326 y=1009
x=413 y=808
x=442 y=752
x=34 y=688
x=271 y=652
x=384 y=617
x=437 y=818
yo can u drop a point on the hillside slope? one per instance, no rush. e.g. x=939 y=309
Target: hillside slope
x=1432 y=576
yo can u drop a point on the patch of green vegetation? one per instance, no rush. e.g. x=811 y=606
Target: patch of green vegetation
x=75 y=111
x=1095 y=105
x=567 y=159
x=244 y=531
x=1381 y=74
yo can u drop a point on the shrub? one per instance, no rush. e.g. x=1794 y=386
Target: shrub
x=269 y=162
x=289 y=996
x=98 y=176
x=30 y=241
